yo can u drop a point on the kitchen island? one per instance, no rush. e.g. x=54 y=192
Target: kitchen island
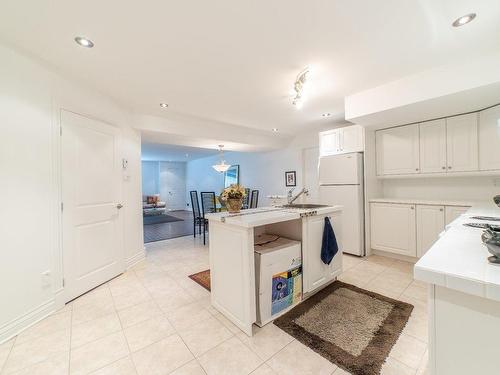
x=464 y=298
x=232 y=261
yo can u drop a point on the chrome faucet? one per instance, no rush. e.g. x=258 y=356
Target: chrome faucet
x=291 y=198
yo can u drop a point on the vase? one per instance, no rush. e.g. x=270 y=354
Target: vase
x=234 y=205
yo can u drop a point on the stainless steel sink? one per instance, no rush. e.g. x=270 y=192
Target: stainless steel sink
x=304 y=206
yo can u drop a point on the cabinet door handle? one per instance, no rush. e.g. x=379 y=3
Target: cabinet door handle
x=416 y=169
x=443 y=167
x=441 y=209
x=449 y=167
x=412 y=207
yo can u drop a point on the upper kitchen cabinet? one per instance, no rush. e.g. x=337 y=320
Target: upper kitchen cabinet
x=433 y=146
x=489 y=139
x=341 y=140
x=462 y=143
x=398 y=150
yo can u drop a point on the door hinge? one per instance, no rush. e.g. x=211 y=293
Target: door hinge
x=62 y=206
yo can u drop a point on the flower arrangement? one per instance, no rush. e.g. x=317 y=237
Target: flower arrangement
x=234 y=191
x=233 y=197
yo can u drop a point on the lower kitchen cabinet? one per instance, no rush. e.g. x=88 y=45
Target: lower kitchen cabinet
x=315 y=272
x=430 y=222
x=393 y=228
x=409 y=229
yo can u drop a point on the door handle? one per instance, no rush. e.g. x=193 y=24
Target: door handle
x=119 y=205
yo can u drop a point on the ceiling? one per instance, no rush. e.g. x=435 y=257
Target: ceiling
x=163 y=152
x=235 y=61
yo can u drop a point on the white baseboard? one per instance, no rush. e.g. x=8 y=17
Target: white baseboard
x=19 y=324
x=395 y=256
x=136 y=258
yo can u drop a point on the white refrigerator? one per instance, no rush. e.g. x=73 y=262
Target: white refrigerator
x=341 y=183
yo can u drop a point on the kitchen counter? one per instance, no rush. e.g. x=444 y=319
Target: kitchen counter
x=232 y=255
x=458 y=260
x=423 y=201
x=463 y=299
x=267 y=215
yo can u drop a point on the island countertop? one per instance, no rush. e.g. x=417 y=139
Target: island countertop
x=459 y=260
x=267 y=215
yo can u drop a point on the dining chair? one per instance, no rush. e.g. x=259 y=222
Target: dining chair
x=254 y=200
x=207 y=207
x=198 y=219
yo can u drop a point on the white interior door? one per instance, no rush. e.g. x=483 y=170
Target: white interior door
x=92 y=229
x=173 y=185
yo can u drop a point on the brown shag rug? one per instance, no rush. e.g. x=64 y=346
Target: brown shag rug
x=202 y=278
x=351 y=327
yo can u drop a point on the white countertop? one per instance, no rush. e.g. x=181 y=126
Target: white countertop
x=266 y=215
x=423 y=201
x=458 y=260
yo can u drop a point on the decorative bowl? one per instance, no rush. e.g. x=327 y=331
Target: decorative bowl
x=494 y=249
x=491 y=239
x=496 y=199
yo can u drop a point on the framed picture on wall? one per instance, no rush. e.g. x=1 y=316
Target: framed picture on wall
x=232 y=175
x=290 y=178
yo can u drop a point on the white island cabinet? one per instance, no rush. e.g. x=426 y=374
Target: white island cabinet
x=464 y=299
x=232 y=264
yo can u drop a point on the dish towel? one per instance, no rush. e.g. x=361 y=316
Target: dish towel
x=329 y=245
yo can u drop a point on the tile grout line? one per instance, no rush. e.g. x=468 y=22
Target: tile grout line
x=8 y=355
x=173 y=326
x=166 y=317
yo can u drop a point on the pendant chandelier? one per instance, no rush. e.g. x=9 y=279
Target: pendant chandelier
x=222 y=166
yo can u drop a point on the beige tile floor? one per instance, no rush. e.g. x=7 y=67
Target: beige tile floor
x=153 y=320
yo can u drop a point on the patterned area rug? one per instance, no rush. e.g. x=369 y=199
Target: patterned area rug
x=202 y=278
x=351 y=327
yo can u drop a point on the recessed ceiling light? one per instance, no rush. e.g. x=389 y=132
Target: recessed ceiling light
x=464 y=20
x=275 y=130
x=326 y=114
x=163 y=105
x=84 y=42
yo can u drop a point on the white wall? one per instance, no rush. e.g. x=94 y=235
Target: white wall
x=173 y=184
x=446 y=188
x=31 y=97
x=150 y=177
x=466 y=85
x=264 y=171
x=167 y=178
